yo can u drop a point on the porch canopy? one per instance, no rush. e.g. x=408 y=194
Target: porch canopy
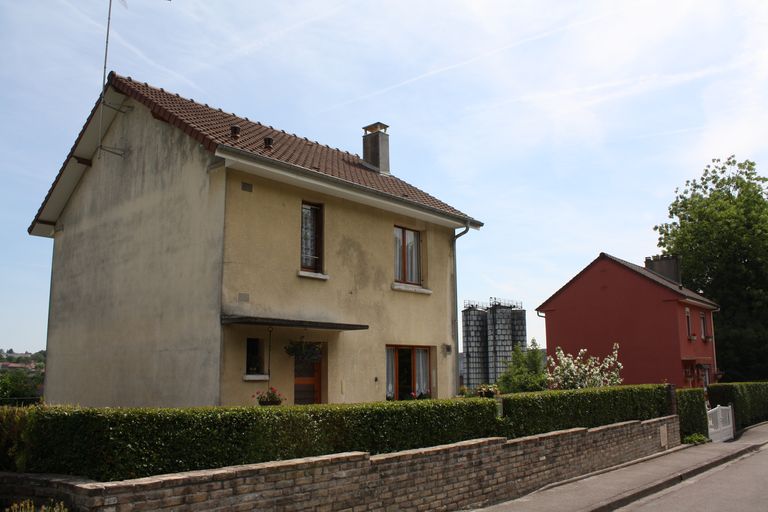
x=288 y=322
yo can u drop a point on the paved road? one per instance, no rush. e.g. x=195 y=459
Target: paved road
x=738 y=486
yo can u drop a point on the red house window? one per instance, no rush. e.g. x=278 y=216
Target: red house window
x=688 y=325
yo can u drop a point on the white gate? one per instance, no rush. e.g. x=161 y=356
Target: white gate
x=720 y=423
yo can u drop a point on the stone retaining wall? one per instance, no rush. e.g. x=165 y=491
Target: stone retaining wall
x=449 y=477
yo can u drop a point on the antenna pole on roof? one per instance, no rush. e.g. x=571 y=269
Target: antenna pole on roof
x=104 y=77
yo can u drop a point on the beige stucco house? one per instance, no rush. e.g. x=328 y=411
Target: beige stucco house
x=192 y=246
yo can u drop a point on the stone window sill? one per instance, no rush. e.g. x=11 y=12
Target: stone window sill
x=412 y=288
x=255 y=377
x=313 y=275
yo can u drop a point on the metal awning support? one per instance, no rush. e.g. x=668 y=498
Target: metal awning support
x=287 y=322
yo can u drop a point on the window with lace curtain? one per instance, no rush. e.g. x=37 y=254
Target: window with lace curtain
x=312 y=237
x=407 y=256
x=408 y=371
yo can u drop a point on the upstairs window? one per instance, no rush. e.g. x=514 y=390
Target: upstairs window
x=311 y=237
x=407 y=256
x=688 y=325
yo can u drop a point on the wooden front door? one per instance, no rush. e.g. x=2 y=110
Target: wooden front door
x=306 y=382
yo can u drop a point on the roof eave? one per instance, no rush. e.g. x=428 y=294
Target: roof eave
x=699 y=303
x=77 y=161
x=296 y=175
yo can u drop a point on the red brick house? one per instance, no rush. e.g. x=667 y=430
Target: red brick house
x=664 y=330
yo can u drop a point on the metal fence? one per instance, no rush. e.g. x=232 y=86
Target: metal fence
x=720 y=423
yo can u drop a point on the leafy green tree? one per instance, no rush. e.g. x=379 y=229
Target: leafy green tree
x=719 y=225
x=39 y=356
x=525 y=371
x=18 y=383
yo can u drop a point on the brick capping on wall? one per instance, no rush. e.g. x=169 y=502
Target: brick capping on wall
x=448 y=477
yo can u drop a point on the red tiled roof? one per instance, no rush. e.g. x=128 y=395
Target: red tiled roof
x=660 y=279
x=211 y=127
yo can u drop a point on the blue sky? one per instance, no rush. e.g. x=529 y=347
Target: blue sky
x=564 y=126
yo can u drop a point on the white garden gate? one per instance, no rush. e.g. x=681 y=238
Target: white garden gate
x=720 y=423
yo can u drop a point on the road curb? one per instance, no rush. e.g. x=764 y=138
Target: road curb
x=613 y=468
x=636 y=494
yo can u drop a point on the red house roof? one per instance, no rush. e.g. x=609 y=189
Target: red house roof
x=211 y=127
x=657 y=278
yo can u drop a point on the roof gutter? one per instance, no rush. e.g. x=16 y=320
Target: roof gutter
x=306 y=178
x=461 y=233
x=693 y=302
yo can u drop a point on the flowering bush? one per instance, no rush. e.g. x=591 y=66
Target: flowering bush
x=568 y=372
x=269 y=397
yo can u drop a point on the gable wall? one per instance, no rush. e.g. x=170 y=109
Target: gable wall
x=608 y=303
x=134 y=308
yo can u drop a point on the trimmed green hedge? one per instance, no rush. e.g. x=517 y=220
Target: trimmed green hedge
x=114 y=444
x=692 y=410
x=12 y=423
x=544 y=411
x=749 y=399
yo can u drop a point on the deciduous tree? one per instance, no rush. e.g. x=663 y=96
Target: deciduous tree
x=719 y=225
x=525 y=371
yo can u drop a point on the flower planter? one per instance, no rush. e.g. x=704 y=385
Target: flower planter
x=270 y=402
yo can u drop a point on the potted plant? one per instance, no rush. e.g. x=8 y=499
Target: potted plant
x=487 y=390
x=304 y=351
x=269 y=397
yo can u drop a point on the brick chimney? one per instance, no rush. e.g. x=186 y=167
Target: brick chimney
x=376 y=146
x=666 y=265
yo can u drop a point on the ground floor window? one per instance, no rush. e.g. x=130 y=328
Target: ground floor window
x=254 y=357
x=408 y=370
x=705 y=375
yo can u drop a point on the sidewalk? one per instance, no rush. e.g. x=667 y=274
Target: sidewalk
x=613 y=489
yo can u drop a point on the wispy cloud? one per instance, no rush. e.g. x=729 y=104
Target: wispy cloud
x=116 y=36
x=246 y=45
x=595 y=94
x=465 y=62
x=665 y=133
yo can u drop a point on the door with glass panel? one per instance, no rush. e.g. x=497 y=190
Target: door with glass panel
x=306 y=382
x=408 y=371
